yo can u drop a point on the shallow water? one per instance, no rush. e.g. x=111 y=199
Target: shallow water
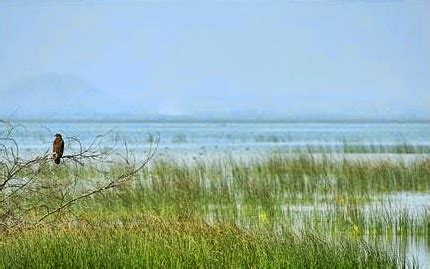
x=397 y=204
x=219 y=136
x=306 y=217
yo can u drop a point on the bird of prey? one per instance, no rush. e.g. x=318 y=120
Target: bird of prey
x=57 y=148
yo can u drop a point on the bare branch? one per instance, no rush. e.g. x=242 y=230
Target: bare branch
x=27 y=186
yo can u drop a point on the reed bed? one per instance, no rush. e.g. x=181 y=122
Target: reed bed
x=277 y=210
x=156 y=242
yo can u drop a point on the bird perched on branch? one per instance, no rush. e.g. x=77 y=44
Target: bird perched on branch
x=57 y=148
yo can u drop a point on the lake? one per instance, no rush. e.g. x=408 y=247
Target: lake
x=232 y=137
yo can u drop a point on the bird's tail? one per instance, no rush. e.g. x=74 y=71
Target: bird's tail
x=57 y=161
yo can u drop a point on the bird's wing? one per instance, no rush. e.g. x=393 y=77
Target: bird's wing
x=61 y=148
x=56 y=145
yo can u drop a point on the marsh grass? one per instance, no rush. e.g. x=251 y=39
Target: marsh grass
x=278 y=210
x=228 y=188
x=346 y=146
x=157 y=242
x=370 y=148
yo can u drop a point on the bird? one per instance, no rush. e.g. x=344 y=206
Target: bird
x=57 y=148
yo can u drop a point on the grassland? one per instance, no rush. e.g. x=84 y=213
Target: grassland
x=277 y=210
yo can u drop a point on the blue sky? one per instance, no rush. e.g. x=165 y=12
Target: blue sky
x=286 y=58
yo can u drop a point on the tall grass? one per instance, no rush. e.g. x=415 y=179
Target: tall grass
x=155 y=242
x=276 y=210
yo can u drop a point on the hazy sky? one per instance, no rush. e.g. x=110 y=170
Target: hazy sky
x=281 y=57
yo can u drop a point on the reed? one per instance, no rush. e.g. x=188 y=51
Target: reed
x=277 y=210
x=157 y=242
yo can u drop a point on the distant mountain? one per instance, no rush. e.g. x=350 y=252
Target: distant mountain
x=55 y=96
x=48 y=94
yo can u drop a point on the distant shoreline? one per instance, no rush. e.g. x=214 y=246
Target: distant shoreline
x=161 y=119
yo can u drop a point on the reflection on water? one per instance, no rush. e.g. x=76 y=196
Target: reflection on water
x=392 y=208
x=388 y=215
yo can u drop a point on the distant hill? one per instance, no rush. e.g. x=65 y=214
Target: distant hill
x=54 y=96
x=48 y=94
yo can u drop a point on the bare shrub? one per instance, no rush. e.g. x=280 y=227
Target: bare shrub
x=33 y=190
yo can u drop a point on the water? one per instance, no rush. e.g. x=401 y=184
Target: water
x=229 y=137
x=412 y=203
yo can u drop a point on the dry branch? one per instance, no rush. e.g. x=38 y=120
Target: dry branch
x=23 y=190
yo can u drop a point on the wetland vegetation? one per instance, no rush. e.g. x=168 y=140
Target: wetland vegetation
x=275 y=210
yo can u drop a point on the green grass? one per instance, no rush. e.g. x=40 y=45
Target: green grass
x=155 y=242
x=278 y=210
x=346 y=147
